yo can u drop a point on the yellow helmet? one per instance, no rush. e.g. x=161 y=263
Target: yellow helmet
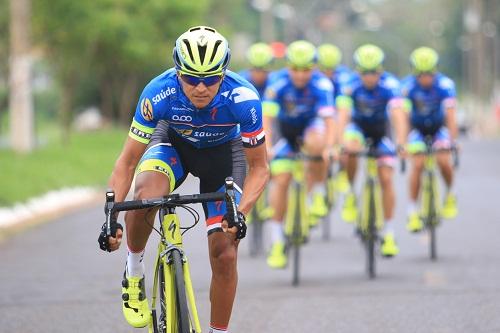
x=329 y=56
x=260 y=55
x=301 y=54
x=424 y=59
x=368 y=57
x=201 y=51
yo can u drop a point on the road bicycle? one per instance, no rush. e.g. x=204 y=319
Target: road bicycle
x=172 y=286
x=260 y=213
x=430 y=198
x=297 y=219
x=370 y=221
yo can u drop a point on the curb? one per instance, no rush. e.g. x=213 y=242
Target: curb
x=50 y=206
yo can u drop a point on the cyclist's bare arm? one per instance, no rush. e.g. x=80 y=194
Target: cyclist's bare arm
x=256 y=180
x=451 y=122
x=267 y=122
x=122 y=176
x=400 y=123
x=344 y=109
x=123 y=172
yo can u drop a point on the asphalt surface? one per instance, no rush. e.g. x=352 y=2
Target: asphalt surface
x=53 y=278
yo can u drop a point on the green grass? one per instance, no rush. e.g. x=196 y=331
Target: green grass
x=87 y=160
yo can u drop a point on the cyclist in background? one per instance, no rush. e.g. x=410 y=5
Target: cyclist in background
x=329 y=62
x=260 y=57
x=300 y=99
x=372 y=102
x=197 y=118
x=431 y=97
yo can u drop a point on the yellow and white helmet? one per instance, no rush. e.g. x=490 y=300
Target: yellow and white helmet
x=201 y=51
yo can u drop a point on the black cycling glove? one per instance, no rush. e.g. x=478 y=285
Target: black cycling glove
x=239 y=224
x=103 y=238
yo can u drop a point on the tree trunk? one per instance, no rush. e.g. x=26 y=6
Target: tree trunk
x=106 y=98
x=128 y=100
x=22 y=137
x=66 y=107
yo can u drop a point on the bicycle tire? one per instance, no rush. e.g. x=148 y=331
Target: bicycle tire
x=372 y=230
x=183 y=322
x=162 y=324
x=432 y=219
x=297 y=236
x=255 y=244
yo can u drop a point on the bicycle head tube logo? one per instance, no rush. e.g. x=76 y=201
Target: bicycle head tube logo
x=176 y=117
x=147 y=109
x=172 y=227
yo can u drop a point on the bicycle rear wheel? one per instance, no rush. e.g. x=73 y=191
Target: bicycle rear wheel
x=256 y=231
x=183 y=322
x=371 y=232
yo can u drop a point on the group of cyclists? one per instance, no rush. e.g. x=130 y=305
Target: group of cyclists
x=201 y=118
x=328 y=109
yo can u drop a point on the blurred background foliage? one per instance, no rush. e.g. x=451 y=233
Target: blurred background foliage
x=101 y=53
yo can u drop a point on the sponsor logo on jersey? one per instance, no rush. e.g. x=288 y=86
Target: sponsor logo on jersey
x=213 y=113
x=185 y=131
x=204 y=134
x=182 y=118
x=147 y=109
x=253 y=112
x=163 y=94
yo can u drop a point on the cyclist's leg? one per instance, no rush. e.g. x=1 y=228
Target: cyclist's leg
x=316 y=172
x=443 y=159
x=158 y=173
x=386 y=162
x=281 y=170
x=354 y=140
x=416 y=147
x=212 y=166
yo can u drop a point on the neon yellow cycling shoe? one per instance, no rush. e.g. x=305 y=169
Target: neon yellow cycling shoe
x=414 y=223
x=277 y=257
x=135 y=305
x=342 y=182
x=389 y=247
x=318 y=207
x=267 y=213
x=449 y=209
x=349 y=210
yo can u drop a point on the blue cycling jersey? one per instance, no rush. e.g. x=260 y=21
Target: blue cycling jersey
x=260 y=88
x=370 y=106
x=341 y=77
x=299 y=106
x=428 y=104
x=235 y=111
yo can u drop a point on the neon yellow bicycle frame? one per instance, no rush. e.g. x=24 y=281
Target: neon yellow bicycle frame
x=172 y=238
x=297 y=207
x=431 y=205
x=372 y=176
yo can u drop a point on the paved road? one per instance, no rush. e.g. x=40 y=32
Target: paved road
x=53 y=278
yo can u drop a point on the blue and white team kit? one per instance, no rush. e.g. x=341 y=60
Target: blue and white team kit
x=370 y=113
x=297 y=110
x=428 y=111
x=207 y=142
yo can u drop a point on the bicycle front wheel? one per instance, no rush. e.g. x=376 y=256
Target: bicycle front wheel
x=180 y=294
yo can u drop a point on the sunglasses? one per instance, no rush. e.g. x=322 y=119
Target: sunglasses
x=301 y=68
x=372 y=71
x=208 y=81
x=431 y=73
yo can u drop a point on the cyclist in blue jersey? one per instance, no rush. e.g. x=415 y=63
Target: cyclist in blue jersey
x=432 y=104
x=300 y=99
x=197 y=118
x=260 y=57
x=329 y=58
x=371 y=102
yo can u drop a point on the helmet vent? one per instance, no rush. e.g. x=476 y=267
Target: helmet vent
x=216 y=46
x=202 y=50
x=188 y=47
